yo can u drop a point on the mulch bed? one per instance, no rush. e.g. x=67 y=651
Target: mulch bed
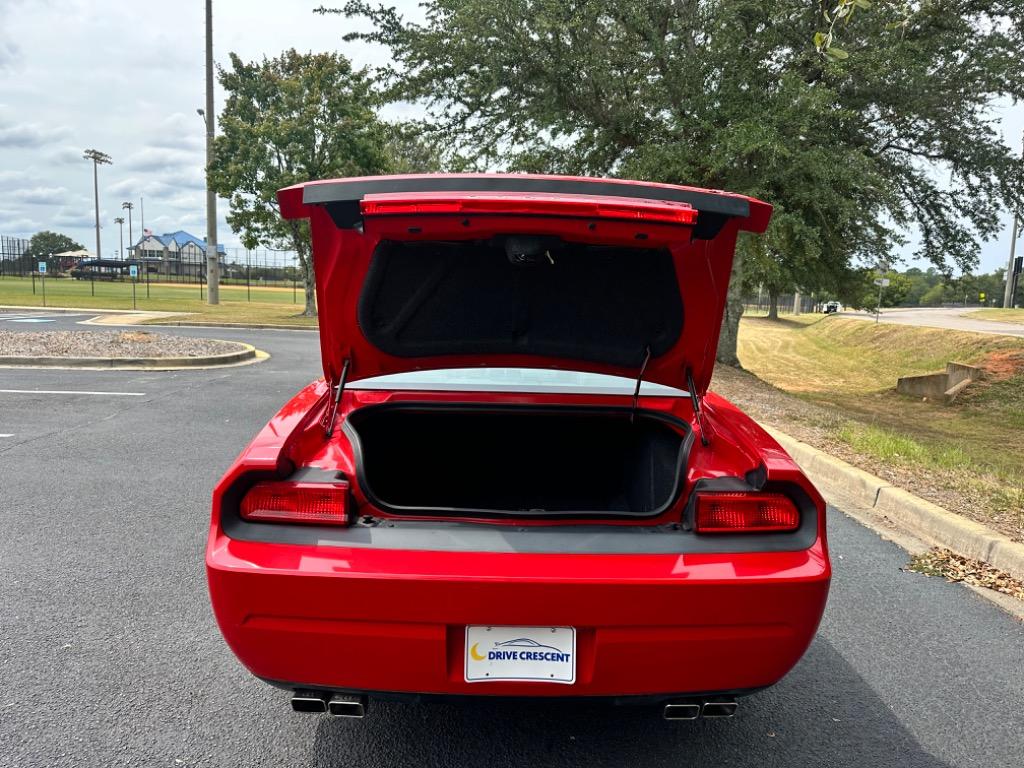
x=105 y=344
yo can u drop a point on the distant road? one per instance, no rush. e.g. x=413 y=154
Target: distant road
x=931 y=317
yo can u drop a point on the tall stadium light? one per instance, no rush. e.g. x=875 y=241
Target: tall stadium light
x=98 y=158
x=119 y=220
x=126 y=206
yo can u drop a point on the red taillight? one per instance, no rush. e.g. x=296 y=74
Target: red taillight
x=296 y=502
x=587 y=206
x=745 y=513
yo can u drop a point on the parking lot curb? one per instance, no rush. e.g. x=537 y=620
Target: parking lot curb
x=919 y=517
x=258 y=326
x=249 y=353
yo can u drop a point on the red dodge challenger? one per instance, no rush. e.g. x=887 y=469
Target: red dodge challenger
x=512 y=480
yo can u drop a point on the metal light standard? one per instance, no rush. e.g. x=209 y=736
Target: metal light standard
x=119 y=220
x=98 y=158
x=126 y=206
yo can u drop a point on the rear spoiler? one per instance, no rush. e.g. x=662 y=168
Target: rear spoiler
x=342 y=197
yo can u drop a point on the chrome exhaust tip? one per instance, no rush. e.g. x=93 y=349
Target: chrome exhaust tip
x=309 y=701
x=683 y=710
x=720 y=708
x=347 y=705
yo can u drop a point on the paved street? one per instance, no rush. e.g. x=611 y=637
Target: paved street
x=109 y=654
x=939 y=317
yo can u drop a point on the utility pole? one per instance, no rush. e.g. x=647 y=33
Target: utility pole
x=212 y=262
x=98 y=158
x=1008 y=294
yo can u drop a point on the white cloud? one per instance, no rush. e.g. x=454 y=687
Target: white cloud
x=30 y=135
x=40 y=195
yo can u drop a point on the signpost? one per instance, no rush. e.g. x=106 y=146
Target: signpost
x=133 y=271
x=881 y=282
x=42 y=276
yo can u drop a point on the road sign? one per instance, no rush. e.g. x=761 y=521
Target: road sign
x=42 y=267
x=981 y=296
x=133 y=270
x=882 y=281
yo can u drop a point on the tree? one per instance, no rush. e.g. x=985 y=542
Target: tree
x=854 y=149
x=45 y=244
x=287 y=120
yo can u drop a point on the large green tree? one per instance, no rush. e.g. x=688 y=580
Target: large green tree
x=290 y=119
x=855 y=146
x=45 y=244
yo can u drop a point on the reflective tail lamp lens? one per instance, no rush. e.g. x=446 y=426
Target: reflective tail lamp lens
x=286 y=502
x=745 y=513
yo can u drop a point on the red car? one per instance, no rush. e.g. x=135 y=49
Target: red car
x=513 y=480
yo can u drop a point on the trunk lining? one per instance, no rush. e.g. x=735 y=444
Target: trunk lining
x=481 y=460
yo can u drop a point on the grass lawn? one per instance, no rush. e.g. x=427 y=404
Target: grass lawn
x=1002 y=315
x=274 y=305
x=971 y=448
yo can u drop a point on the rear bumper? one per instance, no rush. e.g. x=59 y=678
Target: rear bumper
x=394 y=620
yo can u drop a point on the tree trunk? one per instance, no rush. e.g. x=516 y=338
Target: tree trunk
x=309 y=284
x=300 y=242
x=729 y=335
x=773 y=303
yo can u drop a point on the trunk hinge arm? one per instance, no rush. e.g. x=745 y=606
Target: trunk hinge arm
x=639 y=381
x=698 y=410
x=338 y=389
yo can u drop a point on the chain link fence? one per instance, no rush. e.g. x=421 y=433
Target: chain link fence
x=14 y=260
x=761 y=303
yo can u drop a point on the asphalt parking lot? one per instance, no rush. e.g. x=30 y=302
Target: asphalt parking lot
x=109 y=654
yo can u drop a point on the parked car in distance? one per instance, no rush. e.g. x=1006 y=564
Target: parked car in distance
x=512 y=480
x=831 y=307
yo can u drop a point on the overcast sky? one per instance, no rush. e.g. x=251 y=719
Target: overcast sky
x=126 y=78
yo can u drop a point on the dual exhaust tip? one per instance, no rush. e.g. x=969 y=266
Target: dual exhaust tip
x=336 y=704
x=691 y=710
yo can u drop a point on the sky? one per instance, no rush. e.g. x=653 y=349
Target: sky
x=126 y=79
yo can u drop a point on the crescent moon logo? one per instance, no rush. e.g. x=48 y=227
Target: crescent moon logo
x=473 y=652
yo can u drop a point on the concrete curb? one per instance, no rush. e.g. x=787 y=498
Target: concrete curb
x=258 y=326
x=144 y=363
x=922 y=518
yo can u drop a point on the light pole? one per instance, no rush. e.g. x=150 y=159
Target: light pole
x=98 y=158
x=212 y=262
x=126 y=206
x=1008 y=294
x=119 y=220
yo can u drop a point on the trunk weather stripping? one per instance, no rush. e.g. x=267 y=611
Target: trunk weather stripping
x=338 y=389
x=639 y=380
x=695 y=399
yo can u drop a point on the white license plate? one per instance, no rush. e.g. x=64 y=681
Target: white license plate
x=538 y=654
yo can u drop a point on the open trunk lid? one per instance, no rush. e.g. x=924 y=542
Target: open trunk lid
x=458 y=271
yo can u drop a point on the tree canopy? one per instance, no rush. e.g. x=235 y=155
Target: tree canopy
x=287 y=120
x=892 y=135
x=44 y=244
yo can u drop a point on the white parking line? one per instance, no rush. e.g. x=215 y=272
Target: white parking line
x=7 y=434
x=69 y=392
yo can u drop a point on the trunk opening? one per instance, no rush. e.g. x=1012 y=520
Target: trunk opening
x=518 y=461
